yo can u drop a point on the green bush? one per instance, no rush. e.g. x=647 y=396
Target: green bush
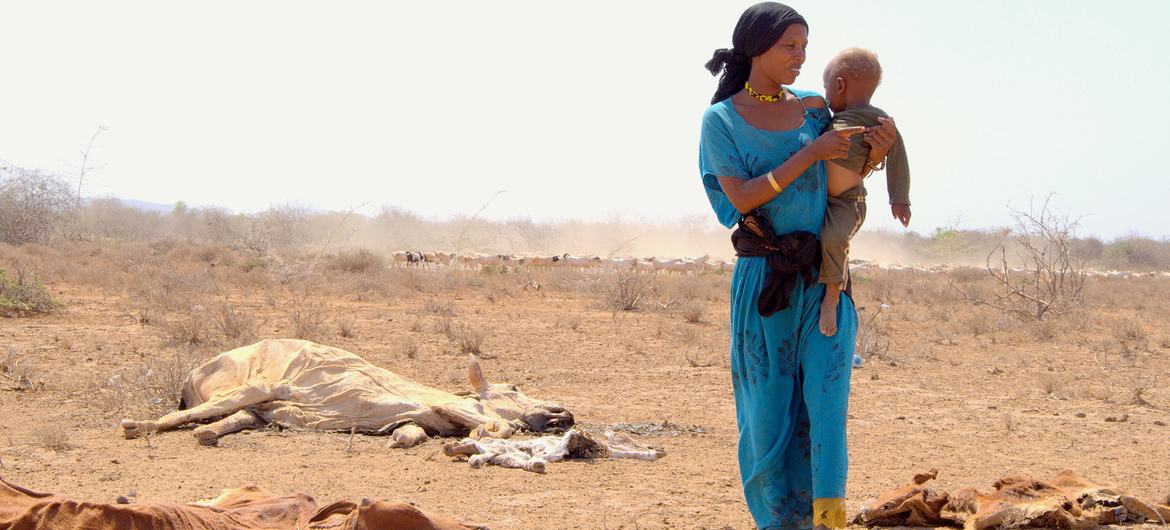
x=24 y=294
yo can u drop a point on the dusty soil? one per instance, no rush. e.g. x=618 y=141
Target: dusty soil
x=964 y=389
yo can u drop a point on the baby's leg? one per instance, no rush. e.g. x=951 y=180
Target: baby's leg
x=843 y=218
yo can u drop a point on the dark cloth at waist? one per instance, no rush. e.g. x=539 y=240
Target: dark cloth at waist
x=788 y=256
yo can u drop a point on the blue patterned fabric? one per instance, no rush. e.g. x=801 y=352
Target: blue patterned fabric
x=791 y=382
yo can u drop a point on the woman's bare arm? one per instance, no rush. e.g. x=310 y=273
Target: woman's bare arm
x=748 y=194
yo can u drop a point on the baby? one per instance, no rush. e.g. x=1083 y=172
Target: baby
x=850 y=81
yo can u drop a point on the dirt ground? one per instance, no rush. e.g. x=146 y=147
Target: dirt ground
x=968 y=390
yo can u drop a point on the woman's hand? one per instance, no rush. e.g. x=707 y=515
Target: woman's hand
x=901 y=213
x=881 y=139
x=834 y=144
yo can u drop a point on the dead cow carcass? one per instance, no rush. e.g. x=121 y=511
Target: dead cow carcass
x=1066 y=501
x=298 y=384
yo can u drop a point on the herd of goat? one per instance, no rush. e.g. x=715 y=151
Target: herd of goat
x=693 y=265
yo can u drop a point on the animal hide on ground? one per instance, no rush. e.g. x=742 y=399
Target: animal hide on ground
x=243 y=508
x=1065 y=501
x=535 y=454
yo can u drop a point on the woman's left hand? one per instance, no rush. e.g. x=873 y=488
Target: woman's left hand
x=881 y=139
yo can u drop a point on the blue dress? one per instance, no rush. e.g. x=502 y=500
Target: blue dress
x=791 y=382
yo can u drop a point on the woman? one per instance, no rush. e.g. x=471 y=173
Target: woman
x=762 y=160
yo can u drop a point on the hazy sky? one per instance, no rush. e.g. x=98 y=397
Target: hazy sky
x=575 y=110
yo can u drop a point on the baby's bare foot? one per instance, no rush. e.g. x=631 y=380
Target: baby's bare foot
x=828 y=319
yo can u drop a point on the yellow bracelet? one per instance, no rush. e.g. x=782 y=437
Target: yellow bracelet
x=772 y=181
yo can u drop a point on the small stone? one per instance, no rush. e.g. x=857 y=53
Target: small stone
x=900 y=418
x=1159 y=423
x=122 y=500
x=1117 y=419
x=132 y=493
x=1080 y=414
x=115 y=461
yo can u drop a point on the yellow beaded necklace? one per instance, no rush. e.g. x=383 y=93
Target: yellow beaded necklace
x=764 y=97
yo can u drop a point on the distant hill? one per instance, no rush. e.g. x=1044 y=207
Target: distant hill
x=146 y=206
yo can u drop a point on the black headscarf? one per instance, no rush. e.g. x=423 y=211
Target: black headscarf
x=759 y=27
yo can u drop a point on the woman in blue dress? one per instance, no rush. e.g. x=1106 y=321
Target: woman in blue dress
x=762 y=161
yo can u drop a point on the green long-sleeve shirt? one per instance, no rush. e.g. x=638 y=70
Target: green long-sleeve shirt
x=897 y=166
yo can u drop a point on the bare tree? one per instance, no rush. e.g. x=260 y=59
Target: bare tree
x=85 y=165
x=1051 y=277
x=33 y=205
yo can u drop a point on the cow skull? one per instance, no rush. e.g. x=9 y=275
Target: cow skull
x=509 y=403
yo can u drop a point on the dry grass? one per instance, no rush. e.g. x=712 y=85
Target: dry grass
x=987 y=371
x=357 y=261
x=18 y=372
x=693 y=311
x=434 y=306
x=445 y=325
x=469 y=339
x=53 y=436
x=150 y=389
x=1131 y=334
x=871 y=342
x=308 y=322
x=192 y=328
x=347 y=327
x=239 y=327
x=1052 y=382
x=409 y=348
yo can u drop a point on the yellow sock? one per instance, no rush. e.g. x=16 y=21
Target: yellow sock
x=829 y=512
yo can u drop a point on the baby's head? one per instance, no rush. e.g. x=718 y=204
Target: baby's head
x=851 y=78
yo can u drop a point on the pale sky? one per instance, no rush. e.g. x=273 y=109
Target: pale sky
x=575 y=110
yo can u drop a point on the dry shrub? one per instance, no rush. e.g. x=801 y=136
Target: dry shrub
x=871 y=341
x=445 y=326
x=441 y=308
x=877 y=285
x=410 y=278
x=192 y=328
x=151 y=388
x=157 y=293
x=52 y=436
x=1051 y=382
x=627 y=290
x=34 y=206
x=981 y=323
x=308 y=322
x=687 y=287
x=19 y=372
x=470 y=340
x=207 y=254
x=345 y=327
x=237 y=326
x=373 y=283
x=357 y=261
x=454 y=281
x=692 y=311
x=1045 y=330
x=24 y=294
x=409 y=348
x=1131 y=334
x=1052 y=277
